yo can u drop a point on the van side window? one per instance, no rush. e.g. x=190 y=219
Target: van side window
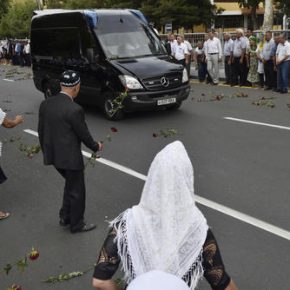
x=56 y=42
x=90 y=47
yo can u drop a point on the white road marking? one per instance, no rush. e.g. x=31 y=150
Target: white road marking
x=201 y=200
x=8 y=80
x=257 y=123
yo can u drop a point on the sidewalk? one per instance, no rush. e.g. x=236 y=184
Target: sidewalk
x=193 y=73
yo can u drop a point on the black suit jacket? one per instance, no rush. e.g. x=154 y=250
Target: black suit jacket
x=62 y=129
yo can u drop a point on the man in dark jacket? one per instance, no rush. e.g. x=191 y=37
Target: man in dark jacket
x=62 y=129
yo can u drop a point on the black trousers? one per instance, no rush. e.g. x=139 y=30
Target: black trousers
x=74 y=198
x=239 y=72
x=269 y=74
x=228 y=70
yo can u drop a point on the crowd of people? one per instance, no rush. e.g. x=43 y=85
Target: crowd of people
x=15 y=52
x=249 y=60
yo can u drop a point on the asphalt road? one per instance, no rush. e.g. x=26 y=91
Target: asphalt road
x=242 y=166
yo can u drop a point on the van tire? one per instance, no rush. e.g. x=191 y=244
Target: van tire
x=47 y=91
x=107 y=106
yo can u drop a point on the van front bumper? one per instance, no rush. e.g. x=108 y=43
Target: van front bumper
x=139 y=101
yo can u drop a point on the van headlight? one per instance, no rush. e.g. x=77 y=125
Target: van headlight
x=184 y=76
x=130 y=82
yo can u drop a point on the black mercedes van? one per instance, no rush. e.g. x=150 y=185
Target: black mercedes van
x=114 y=51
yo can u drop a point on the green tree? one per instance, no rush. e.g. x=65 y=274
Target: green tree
x=16 y=22
x=284 y=6
x=4 y=6
x=253 y=5
x=184 y=13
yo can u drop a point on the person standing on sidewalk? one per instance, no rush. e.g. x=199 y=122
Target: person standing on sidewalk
x=62 y=129
x=283 y=64
x=213 y=53
x=273 y=56
x=190 y=51
x=268 y=61
x=228 y=54
x=181 y=53
x=239 y=71
x=199 y=58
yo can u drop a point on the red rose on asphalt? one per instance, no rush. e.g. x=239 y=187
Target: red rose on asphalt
x=114 y=130
x=15 y=287
x=154 y=135
x=33 y=255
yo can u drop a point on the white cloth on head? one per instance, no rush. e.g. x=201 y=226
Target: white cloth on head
x=157 y=280
x=165 y=231
x=2 y=117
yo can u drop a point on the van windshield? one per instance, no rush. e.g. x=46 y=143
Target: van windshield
x=122 y=43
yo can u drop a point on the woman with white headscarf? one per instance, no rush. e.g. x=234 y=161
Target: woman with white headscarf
x=165 y=231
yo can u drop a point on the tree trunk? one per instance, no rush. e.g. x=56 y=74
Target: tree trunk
x=268 y=16
x=254 y=18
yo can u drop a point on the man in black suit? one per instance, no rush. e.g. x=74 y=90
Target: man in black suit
x=62 y=129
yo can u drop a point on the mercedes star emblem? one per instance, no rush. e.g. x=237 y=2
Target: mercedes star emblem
x=164 y=82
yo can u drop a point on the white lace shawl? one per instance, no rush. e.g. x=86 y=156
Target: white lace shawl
x=165 y=231
x=2 y=117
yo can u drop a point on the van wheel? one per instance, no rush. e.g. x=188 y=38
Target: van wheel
x=110 y=110
x=47 y=91
x=176 y=106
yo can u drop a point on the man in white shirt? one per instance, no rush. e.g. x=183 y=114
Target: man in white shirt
x=228 y=53
x=213 y=53
x=181 y=53
x=268 y=61
x=283 y=64
x=173 y=43
x=26 y=52
x=239 y=72
x=190 y=51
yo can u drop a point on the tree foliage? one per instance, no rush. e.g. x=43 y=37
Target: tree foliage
x=16 y=22
x=16 y=18
x=253 y=5
x=181 y=12
x=4 y=6
x=284 y=6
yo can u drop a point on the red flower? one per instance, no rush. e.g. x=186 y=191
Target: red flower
x=15 y=287
x=114 y=130
x=33 y=255
x=154 y=135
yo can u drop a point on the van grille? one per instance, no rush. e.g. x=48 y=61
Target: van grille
x=167 y=81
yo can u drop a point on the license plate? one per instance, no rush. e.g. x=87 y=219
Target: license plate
x=166 y=101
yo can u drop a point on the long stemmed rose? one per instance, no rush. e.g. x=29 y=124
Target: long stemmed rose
x=165 y=133
x=95 y=155
x=21 y=265
x=28 y=150
x=117 y=103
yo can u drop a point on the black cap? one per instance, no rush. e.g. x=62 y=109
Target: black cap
x=69 y=78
